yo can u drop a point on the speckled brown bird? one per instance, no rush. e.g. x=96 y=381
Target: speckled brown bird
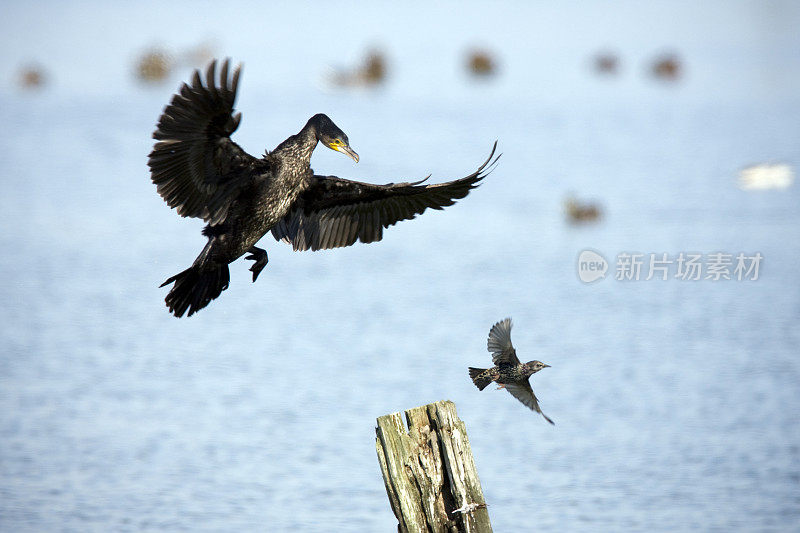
x=508 y=372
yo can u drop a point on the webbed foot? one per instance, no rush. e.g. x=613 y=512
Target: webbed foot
x=260 y=257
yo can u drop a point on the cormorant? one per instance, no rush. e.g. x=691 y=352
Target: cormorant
x=508 y=372
x=202 y=173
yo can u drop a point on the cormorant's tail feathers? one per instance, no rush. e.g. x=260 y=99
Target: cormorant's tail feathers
x=480 y=377
x=195 y=288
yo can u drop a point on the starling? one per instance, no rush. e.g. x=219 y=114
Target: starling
x=508 y=372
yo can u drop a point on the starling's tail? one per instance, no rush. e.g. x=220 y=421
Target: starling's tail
x=480 y=377
x=195 y=287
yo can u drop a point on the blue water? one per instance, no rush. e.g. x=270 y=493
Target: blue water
x=677 y=404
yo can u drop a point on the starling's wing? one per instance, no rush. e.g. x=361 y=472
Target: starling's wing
x=524 y=393
x=334 y=212
x=499 y=344
x=197 y=168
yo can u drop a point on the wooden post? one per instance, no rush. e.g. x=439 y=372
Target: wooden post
x=429 y=471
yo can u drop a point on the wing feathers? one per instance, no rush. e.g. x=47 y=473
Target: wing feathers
x=499 y=344
x=524 y=393
x=334 y=212
x=197 y=169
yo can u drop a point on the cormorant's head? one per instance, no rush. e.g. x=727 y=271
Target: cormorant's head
x=535 y=366
x=331 y=136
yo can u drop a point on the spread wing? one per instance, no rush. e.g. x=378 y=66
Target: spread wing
x=524 y=393
x=197 y=168
x=499 y=344
x=335 y=212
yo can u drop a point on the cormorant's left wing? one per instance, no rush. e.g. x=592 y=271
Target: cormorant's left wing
x=524 y=393
x=198 y=169
x=335 y=212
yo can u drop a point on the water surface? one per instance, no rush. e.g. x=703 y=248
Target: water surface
x=676 y=403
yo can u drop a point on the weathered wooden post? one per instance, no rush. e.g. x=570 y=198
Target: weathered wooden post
x=429 y=471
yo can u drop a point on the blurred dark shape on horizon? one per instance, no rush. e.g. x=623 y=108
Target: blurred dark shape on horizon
x=157 y=63
x=154 y=66
x=667 y=67
x=582 y=212
x=32 y=76
x=606 y=63
x=481 y=64
x=372 y=72
x=199 y=55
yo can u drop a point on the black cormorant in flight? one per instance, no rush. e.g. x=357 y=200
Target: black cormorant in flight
x=202 y=173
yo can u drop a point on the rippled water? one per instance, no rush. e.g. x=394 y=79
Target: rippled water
x=676 y=403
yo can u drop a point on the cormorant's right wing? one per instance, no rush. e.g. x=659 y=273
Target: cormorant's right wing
x=334 y=212
x=499 y=344
x=196 y=166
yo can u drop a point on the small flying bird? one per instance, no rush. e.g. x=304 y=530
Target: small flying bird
x=508 y=372
x=202 y=173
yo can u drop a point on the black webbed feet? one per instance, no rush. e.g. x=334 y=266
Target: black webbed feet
x=260 y=257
